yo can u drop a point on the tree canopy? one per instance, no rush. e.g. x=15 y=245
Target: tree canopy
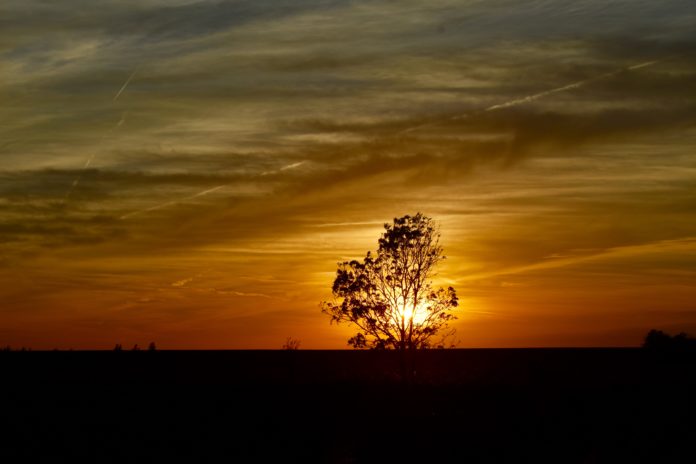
x=389 y=295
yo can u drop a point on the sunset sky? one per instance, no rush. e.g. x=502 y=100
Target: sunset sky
x=191 y=172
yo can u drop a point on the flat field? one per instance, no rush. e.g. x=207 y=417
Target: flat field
x=464 y=405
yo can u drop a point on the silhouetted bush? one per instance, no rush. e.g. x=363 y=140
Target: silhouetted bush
x=118 y=347
x=659 y=341
x=291 y=344
x=152 y=347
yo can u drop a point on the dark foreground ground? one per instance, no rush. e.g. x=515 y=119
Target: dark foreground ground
x=539 y=405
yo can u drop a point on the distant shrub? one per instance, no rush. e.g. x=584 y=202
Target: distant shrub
x=291 y=344
x=152 y=347
x=660 y=341
x=118 y=347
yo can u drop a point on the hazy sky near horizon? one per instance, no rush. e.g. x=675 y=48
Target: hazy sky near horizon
x=190 y=172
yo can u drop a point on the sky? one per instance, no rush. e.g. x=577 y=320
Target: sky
x=191 y=172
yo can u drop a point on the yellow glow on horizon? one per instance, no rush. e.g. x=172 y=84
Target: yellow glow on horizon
x=176 y=194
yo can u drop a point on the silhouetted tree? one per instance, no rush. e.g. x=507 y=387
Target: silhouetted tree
x=136 y=347
x=118 y=347
x=152 y=347
x=657 y=339
x=291 y=344
x=389 y=296
x=684 y=341
x=660 y=341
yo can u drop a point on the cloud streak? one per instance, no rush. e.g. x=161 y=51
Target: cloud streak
x=661 y=246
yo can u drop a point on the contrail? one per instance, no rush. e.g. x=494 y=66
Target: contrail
x=292 y=166
x=204 y=192
x=118 y=124
x=688 y=243
x=173 y=202
x=643 y=65
x=348 y=224
x=284 y=168
x=125 y=84
x=536 y=96
x=77 y=180
x=575 y=85
x=508 y=104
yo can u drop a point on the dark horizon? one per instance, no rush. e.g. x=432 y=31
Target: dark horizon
x=484 y=405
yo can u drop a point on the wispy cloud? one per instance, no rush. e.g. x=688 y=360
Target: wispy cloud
x=531 y=98
x=274 y=138
x=118 y=124
x=661 y=246
x=182 y=282
x=565 y=88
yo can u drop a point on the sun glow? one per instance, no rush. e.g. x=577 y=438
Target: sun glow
x=418 y=316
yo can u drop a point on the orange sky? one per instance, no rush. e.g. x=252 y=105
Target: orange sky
x=191 y=173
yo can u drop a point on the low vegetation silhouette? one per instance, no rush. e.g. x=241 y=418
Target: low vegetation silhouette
x=660 y=341
x=8 y=348
x=291 y=344
x=151 y=347
x=389 y=296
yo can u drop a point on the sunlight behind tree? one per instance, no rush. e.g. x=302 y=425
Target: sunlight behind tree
x=389 y=297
